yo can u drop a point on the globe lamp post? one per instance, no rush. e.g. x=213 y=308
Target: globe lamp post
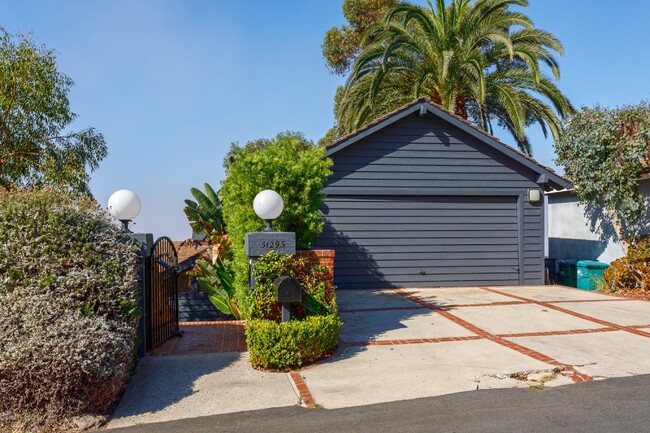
x=124 y=205
x=268 y=205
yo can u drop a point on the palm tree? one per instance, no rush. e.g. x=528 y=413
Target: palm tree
x=480 y=60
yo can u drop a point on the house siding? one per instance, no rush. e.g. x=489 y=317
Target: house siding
x=423 y=203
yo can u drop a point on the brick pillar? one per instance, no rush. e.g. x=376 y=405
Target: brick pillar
x=320 y=257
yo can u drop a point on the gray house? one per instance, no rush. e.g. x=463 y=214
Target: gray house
x=421 y=198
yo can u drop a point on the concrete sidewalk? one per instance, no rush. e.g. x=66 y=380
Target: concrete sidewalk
x=166 y=388
x=406 y=344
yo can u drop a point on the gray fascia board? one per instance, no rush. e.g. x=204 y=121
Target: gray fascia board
x=553 y=178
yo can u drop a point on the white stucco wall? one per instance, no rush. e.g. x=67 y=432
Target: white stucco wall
x=574 y=232
x=570 y=234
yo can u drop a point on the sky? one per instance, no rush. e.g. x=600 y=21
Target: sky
x=171 y=84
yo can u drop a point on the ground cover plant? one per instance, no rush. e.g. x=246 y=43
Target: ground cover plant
x=314 y=329
x=68 y=308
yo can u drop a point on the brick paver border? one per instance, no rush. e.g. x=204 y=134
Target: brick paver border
x=205 y=337
x=631 y=330
x=567 y=369
x=301 y=388
x=213 y=322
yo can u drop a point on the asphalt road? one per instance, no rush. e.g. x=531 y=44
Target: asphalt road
x=607 y=406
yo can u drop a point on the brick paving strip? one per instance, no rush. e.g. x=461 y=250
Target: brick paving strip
x=301 y=389
x=569 y=370
x=206 y=337
x=614 y=326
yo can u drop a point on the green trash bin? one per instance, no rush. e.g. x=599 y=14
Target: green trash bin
x=589 y=272
x=568 y=275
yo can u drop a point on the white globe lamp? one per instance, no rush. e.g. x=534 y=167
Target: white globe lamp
x=124 y=205
x=268 y=205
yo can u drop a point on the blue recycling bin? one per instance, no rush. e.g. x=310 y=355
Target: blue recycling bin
x=588 y=272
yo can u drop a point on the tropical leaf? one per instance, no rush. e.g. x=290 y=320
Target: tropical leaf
x=217 y=282
x=479 y=59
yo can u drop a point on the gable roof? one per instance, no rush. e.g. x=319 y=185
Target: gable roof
x=548 y=178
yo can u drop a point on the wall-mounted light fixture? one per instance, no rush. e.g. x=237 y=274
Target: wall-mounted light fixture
x=534 y=195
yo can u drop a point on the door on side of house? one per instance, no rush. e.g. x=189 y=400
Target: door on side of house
x=414 y=241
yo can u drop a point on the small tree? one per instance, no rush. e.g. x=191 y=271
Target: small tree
x=604 y=152
x=34 y=113
x=288 y=164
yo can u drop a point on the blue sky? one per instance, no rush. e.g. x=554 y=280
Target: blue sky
x=171 y=84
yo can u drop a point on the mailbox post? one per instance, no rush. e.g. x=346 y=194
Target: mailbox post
x=287 y=290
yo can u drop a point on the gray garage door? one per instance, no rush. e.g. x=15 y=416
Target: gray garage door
x=422 y=241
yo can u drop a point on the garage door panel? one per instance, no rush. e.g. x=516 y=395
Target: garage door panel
x=420 y=228
x=337 y=240
x=439 y=213
x=402 y=259
x=444 y=203
x=425 y=247
x=392 y=241
x=427 y=220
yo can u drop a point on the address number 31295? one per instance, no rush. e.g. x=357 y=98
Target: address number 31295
x=272 y=244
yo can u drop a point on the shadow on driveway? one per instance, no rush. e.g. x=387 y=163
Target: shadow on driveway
x=162 y=381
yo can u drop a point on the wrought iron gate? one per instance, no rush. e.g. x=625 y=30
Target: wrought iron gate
x=162 y=293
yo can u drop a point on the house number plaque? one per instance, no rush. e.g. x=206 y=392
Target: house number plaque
x=260 y=243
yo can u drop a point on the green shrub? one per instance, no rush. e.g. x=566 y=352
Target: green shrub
x=633 y=270
x=288 y=164
x=318 y=297
x=282 y=346
x=68 y=306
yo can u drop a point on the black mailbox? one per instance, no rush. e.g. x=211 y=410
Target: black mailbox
x=287 y=289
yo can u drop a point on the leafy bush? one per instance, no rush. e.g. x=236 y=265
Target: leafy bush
x=68 y=306
x=633 y=270
x=318 y=298
x=603 y=152
x=281 y=346
x=288 y=164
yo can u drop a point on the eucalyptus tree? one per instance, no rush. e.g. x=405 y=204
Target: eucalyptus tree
x=36 y=144
x=482 y=60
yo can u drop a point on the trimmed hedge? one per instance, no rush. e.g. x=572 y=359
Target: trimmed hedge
x=282 y=346
x=68 y=307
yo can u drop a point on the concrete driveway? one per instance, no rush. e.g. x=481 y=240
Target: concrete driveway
x=404 y=344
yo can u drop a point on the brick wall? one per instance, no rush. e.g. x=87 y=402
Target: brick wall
x=320 y=257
